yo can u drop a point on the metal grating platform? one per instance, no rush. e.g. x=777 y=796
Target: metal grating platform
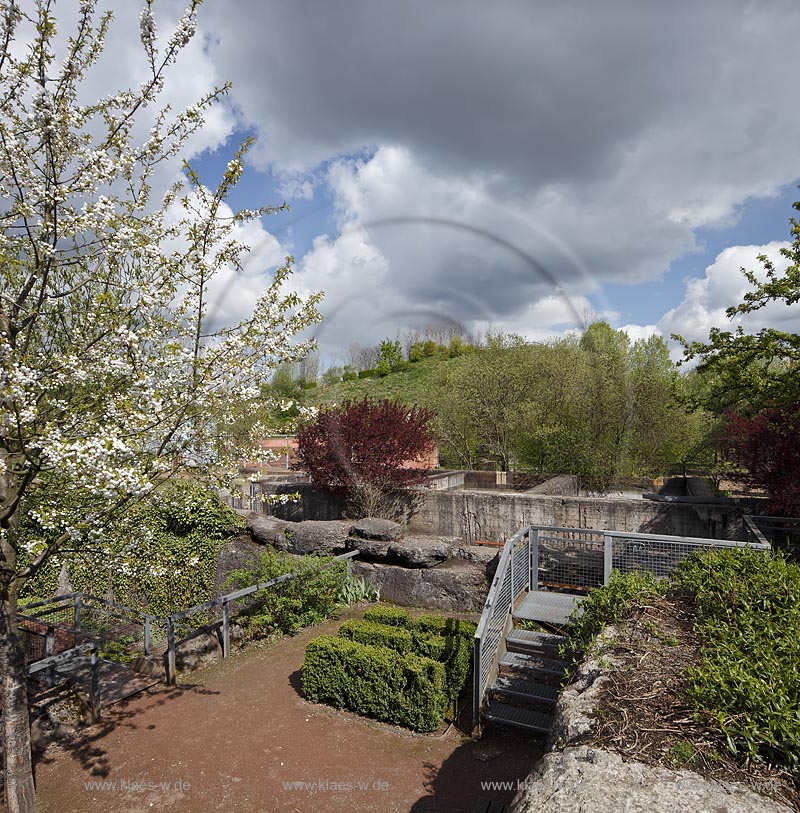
x=552 y=608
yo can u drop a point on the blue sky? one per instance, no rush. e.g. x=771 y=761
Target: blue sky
x=520 y=166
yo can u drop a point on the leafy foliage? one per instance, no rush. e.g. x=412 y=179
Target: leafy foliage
x=160 y=555
x=307 y=599
x=359 y=448
x=610 y=604
x=748 y=614
x=748 y=606
x=357 y=589
x=768 y=446
x=392 y=643
x=372 y=680
x=749 y=372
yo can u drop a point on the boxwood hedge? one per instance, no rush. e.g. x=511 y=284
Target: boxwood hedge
x=391 y=667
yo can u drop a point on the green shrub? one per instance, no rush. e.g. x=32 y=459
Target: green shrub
x=748 y=606
x=398 y=688
x=394 y=616
x=416 y=353
x=308 y=385
x=453 y=647
x=611 y=603
x=307 y=599
x=441 y=625
x=349 y=375
x=369 y=632
x=368 y=373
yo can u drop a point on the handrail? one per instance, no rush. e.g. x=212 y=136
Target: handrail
x=225 y=602
x=498 y=608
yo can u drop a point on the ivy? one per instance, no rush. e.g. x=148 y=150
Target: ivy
x=159 y=555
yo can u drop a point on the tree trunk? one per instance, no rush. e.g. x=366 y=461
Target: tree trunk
x=19 y=787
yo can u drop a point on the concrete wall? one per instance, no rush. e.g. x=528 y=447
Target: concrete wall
x=496 y=516
x=479 y=515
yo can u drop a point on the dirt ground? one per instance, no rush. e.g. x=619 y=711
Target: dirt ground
x=239 y=736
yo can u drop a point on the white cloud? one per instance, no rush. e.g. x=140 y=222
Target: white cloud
x=706 y=299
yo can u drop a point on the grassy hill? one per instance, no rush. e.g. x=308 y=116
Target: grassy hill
x=409 y=386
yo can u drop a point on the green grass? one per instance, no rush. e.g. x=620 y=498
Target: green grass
x=409 y=386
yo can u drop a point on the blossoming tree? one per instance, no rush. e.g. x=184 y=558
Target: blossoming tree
x=111 y=370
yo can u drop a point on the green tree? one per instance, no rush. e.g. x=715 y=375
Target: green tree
x=748 y=372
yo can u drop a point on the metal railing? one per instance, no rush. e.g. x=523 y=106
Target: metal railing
x=511 y=580
x=782 y=533
x=57 y=629
x=50 y=664
x=571 y=560
x=217 y=612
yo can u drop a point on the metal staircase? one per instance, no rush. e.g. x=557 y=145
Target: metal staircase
x=543 y=575
x=526 y=688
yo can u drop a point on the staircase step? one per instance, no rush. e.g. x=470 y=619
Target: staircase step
x=521 y=640
x=525 y=689
x=533 y=664
x=522 y=718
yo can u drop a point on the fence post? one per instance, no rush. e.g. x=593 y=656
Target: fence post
x=95 y=689
x=147 y=635
x=77 y=602
x=171 y=680
x=477 y=689
x=533 y=562
x=608 y=557
x=226 y=628
x=49 y=649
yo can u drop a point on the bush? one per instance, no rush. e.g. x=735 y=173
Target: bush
x=372 y=373
x=748 y=606
x=384 y=368
x=440 y=639
x=307 y=599
x=416 y=353
x=350 y=375
x=401 y=366
x=372 y=680
x=450 y=626
x=611 y=603
x=308 y=385
x=368 y=632
x=393 y=616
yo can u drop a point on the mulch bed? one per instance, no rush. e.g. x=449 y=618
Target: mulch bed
x=644 y=714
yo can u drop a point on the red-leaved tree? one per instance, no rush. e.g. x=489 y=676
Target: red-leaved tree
x=362 y=449
x=767 y=445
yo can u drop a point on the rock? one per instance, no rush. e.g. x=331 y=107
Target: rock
x=149 y=666
x=239 y=552
x=575 y=712
x=580 y=779
x=369 y=549
x=268 y=530
x=375 y=528
x=455 y=586
x=421 y=551
x=197 y=650
x=312 y=536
